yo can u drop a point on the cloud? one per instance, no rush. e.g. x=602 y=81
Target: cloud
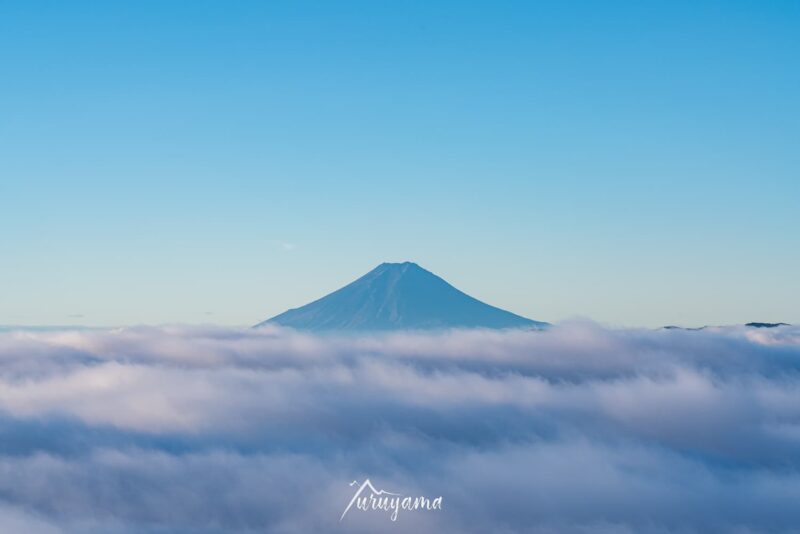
x=575 y=429
x=284 y=245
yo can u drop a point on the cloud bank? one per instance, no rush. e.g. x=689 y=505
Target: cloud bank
x=576 y=429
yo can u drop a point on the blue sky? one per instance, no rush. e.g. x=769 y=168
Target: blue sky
x=632 y=162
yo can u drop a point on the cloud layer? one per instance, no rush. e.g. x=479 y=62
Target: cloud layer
x=577 y=429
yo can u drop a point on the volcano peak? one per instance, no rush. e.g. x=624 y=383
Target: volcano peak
x=398 y=296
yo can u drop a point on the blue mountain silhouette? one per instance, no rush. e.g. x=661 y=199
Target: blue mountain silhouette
x=399 y=296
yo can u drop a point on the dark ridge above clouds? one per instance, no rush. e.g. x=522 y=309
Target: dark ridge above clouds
x=751 y=325
x=399 y=296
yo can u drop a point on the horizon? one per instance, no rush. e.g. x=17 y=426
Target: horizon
x=635 y=164
x=568 y=320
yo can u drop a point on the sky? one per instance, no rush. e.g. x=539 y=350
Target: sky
x=215 y=162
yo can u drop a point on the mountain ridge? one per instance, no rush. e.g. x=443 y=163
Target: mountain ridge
x=399 y=296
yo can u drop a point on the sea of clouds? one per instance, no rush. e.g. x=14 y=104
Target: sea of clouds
x=575 y=429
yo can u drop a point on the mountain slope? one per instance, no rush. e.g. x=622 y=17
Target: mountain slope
x=398 y=296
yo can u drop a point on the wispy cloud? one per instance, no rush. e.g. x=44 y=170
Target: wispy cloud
x=285 y=245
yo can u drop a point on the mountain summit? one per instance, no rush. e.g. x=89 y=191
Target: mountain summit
x=398 y=296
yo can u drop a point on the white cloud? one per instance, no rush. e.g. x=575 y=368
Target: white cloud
x=576 y=429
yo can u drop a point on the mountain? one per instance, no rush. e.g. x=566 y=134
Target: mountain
x=398 y=296
x=750 y=325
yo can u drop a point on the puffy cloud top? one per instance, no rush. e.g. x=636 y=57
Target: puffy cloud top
x=575 y=429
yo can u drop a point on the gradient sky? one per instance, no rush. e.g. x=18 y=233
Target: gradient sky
x=637 y=163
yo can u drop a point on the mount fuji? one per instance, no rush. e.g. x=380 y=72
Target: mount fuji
x=399 y=296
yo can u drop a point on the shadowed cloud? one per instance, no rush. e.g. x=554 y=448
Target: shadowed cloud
x=574 y=429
